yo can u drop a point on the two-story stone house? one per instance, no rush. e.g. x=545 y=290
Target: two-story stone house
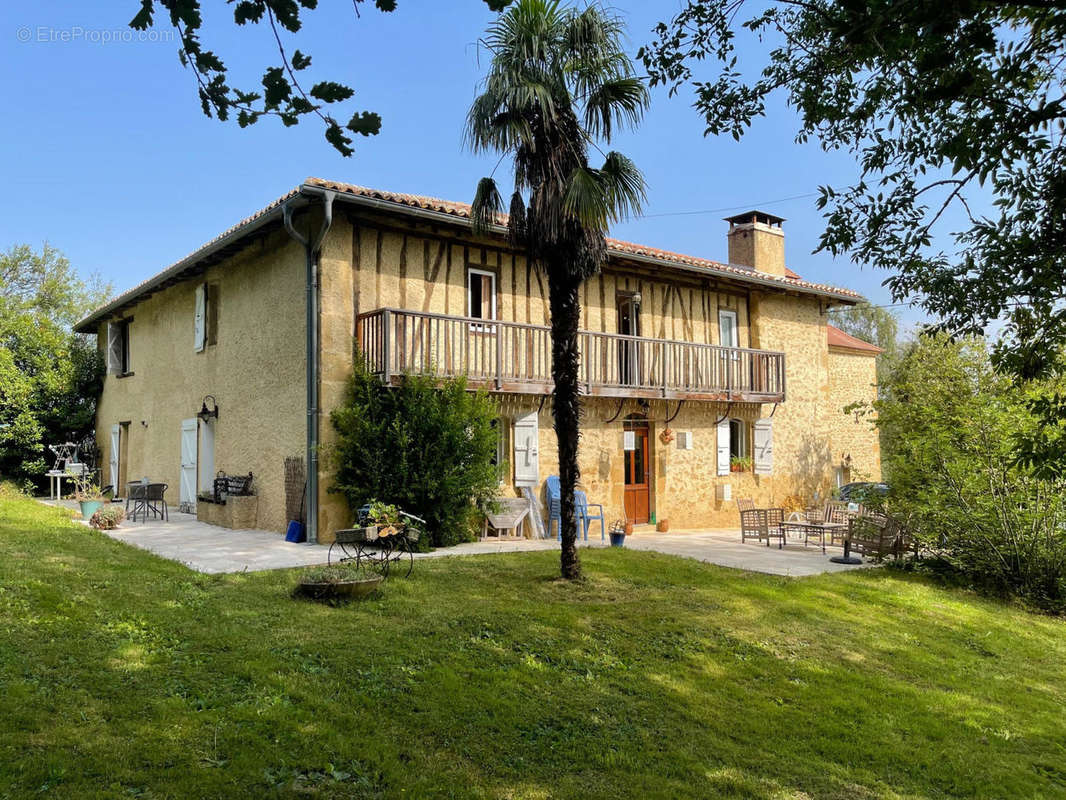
x=704 y=381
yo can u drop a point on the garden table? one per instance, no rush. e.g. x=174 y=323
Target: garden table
x=819 y=529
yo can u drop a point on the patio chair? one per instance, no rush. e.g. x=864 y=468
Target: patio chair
x=551 y=487
x=755 y=524
x=582 y=508
x=834 y=512
x=155 y=500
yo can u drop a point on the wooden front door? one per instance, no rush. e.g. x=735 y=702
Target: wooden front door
x=638 y=469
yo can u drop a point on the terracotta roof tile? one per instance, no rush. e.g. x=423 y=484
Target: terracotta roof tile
x=837 y=338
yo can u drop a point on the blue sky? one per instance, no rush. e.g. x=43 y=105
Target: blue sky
x=107 y=156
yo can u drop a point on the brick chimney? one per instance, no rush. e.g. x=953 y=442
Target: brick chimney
x=756 y=240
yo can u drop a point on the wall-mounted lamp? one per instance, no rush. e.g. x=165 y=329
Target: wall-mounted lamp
x=205 y=412
x=645 y=406
x=144 y=423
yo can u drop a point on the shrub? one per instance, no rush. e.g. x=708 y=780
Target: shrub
x=949 y=423
x=107 y=517
x=426 y=446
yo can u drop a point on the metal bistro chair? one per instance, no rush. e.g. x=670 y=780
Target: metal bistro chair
x=147 y=498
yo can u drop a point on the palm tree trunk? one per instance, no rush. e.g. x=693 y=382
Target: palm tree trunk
x=566 y=316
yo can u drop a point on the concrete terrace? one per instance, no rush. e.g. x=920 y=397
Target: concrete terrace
x=211 y=549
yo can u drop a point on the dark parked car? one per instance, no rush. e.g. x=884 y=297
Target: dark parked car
x=862 y=491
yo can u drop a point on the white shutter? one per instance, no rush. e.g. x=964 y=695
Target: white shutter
x=764 y=446
x=526 y=468
x=187 y=477
x=723 y=447
x=114 y=348
x=200 y=318
x=113 y=461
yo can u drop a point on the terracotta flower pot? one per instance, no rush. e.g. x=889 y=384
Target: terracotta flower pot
x=629 y=528
x=662 y=526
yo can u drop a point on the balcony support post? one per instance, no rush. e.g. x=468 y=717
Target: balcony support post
x=385 y=345
x=498 y=330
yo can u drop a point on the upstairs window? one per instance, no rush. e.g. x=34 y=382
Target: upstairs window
x=727 y=329
x=205 y=316
x=480 y=295
x=118 y=347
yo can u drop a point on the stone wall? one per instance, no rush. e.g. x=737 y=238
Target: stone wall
x=855 y=442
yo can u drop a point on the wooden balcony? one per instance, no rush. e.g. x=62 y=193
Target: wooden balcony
x=516 y=358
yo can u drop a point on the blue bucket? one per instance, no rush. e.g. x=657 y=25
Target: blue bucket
x=296 y=532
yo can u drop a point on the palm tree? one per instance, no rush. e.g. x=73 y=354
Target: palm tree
x=559 y=82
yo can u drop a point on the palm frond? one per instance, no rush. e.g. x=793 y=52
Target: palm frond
x=624 y=186
x=516 y=220
x=620 y=101
x=487 y=206
x=585 y=199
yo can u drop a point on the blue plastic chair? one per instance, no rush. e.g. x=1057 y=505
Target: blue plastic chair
x=582 y=507
x=555 y=510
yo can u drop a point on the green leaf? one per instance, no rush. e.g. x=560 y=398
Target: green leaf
x=300 y=61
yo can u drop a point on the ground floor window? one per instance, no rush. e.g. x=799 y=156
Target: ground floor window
x=739 y=445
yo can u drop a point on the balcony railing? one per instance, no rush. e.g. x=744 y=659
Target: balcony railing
x=515 y=357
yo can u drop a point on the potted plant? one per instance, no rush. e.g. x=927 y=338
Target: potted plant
x=740 y=464
x=344 y=581
x=386 y=517
x=88 y=495
x=618 y=532
x=107 y=518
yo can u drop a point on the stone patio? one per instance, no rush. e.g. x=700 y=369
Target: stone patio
x=210 y=549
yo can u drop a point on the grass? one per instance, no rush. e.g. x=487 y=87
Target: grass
x=124 y=675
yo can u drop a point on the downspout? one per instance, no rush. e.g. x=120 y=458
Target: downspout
x=313 y=250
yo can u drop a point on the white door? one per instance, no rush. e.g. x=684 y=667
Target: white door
x=206 y=457
x=526 y=470
x=187 y=490
x=120 y=491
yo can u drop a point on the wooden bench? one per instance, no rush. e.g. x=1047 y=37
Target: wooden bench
x=231 y=486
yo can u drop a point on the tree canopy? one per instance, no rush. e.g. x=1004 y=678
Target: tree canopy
x=950 y=109
x=49 y=376
x=282 y=92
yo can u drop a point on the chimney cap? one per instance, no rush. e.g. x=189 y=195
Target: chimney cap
x=749 y=217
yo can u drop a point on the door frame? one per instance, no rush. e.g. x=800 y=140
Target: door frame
x=628 y=351
x=641 y=426
x=731 y=313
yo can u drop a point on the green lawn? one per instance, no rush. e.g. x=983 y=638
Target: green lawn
x=123 y=675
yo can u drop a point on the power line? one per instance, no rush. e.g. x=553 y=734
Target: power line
x=722 y=210
x=886 y=305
